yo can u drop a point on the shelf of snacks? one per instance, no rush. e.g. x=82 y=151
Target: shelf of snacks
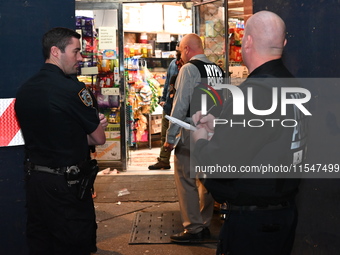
x=143 y=91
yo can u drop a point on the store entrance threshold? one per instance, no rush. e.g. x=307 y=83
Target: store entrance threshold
x=138 y=162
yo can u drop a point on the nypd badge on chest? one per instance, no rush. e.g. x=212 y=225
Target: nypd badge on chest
x=85 y=97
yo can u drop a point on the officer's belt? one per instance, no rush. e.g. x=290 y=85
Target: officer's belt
x=46 y=169
x=258 y=208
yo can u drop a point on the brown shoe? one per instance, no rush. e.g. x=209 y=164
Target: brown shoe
x=159 y=165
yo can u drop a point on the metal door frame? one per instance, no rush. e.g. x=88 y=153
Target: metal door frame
x=122 y=92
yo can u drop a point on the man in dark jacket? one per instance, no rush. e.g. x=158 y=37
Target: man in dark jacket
x=260 y=213
x=163 y=161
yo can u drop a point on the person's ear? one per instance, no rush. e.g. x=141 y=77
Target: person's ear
x=247 y=44
x=186 y=49
x=55 y=51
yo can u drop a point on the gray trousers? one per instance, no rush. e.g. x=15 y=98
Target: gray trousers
x=196 y=204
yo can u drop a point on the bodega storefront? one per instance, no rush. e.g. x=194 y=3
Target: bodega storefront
x=127 y=52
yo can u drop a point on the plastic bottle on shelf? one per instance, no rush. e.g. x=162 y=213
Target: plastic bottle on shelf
x=112 y=116
x=117 y=116
x=129 y=64
x=101 y=83
x=112 y=65
x=116 y=74
x=144 y=51
x=108 y=83
x=126 y=51
x=137 y=49
x=143 y=38
x=132 y=51
x=149 y=50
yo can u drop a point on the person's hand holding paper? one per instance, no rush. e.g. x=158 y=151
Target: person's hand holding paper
x=205 y=129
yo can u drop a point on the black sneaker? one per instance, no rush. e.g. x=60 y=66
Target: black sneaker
x=159 y=165
x=186 y=237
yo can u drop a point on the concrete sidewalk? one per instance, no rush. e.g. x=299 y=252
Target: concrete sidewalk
x=115 y=214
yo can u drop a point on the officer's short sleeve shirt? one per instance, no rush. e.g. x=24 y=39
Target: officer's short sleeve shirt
x=56 y=113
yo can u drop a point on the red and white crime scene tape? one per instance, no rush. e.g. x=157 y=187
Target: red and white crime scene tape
x=10 y=134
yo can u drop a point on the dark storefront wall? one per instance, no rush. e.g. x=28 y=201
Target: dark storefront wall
x=313 y=51
x=22 y=24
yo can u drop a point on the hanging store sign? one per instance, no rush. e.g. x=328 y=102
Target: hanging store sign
x=163 y=37
x=107 y=38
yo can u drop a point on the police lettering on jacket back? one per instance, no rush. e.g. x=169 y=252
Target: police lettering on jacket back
x=207 y=95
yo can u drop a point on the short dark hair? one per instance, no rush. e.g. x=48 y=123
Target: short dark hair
x=178 y=55
x=59 y=37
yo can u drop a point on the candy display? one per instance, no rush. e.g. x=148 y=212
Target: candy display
x=142 y=94
x=236 y=35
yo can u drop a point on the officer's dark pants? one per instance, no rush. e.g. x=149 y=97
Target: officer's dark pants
x=57 y=222
x=265 y=232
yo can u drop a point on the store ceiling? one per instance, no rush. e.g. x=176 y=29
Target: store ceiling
x=235 y=8
x=240 y=9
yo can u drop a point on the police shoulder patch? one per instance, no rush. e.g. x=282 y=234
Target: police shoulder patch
x=85 y=97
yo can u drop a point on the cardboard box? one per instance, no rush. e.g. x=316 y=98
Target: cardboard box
x=112 y=127
x=156 y=121
x=89 y=70
x=169 y=54
x=111 y=149
x=112 y=135
x=112 y=131
x=157 y=128
x=238 y=71
x=156 y=116
x=108 y=151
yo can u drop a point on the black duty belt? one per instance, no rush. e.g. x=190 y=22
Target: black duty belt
x=258 y=208
x=46 y=169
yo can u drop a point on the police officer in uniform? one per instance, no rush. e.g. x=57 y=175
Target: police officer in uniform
x=59 y=123
x=260 y=213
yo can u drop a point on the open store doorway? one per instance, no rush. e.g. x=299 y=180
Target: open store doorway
x=130 y=83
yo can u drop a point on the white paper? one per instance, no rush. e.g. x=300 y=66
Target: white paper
x=181 y=123
x=107 y=38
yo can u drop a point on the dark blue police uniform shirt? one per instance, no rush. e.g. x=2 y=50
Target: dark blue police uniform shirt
x=56 y=113
x=246 y=146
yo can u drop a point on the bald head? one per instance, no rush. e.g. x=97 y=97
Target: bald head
x=190 y=45
x=265 y=33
